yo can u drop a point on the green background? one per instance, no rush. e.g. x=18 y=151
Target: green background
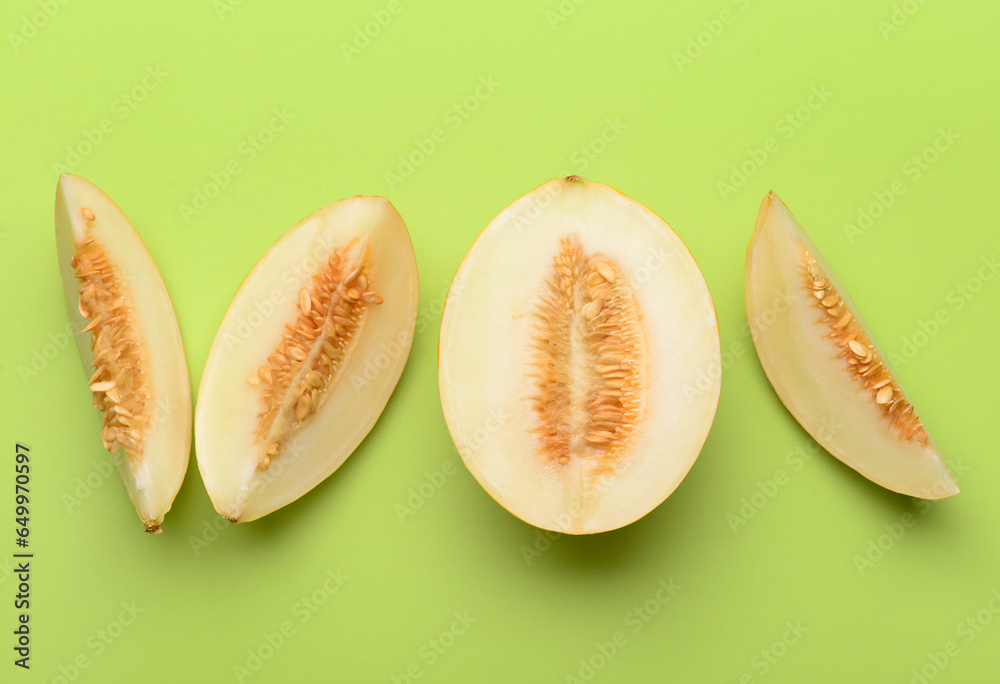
x=828 y=104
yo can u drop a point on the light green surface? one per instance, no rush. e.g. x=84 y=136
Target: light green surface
x=213 y=79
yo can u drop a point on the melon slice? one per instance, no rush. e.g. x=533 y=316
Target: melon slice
x=825 y=366
x=306 y=357
x=579 y=358
x=130 y=344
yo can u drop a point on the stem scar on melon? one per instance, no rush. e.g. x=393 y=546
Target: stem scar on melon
x=824 y=363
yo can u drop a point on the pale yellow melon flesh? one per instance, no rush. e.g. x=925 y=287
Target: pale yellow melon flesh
x=579 y=358
x=121 y=313
x=307 y=356
x=825 y=366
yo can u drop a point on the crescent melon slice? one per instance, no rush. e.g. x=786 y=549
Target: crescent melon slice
x=130 y=343
x=825 y=365
x=306 y=357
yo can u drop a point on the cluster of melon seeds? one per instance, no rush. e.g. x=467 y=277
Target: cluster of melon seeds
x=587 y=360
x=299 y=372
x=860 y=357
x=120 y=389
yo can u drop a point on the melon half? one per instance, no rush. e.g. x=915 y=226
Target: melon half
x=825 y=366
x=579 y=358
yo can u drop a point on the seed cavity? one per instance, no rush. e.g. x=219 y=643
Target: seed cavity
x=300 y=373
x=587 y=362
x=861 y=360
x=119 y=385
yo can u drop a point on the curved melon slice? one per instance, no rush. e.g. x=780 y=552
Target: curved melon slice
x=577 y=351
x=306 y=357
x=129 y=342
x=825 y=366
